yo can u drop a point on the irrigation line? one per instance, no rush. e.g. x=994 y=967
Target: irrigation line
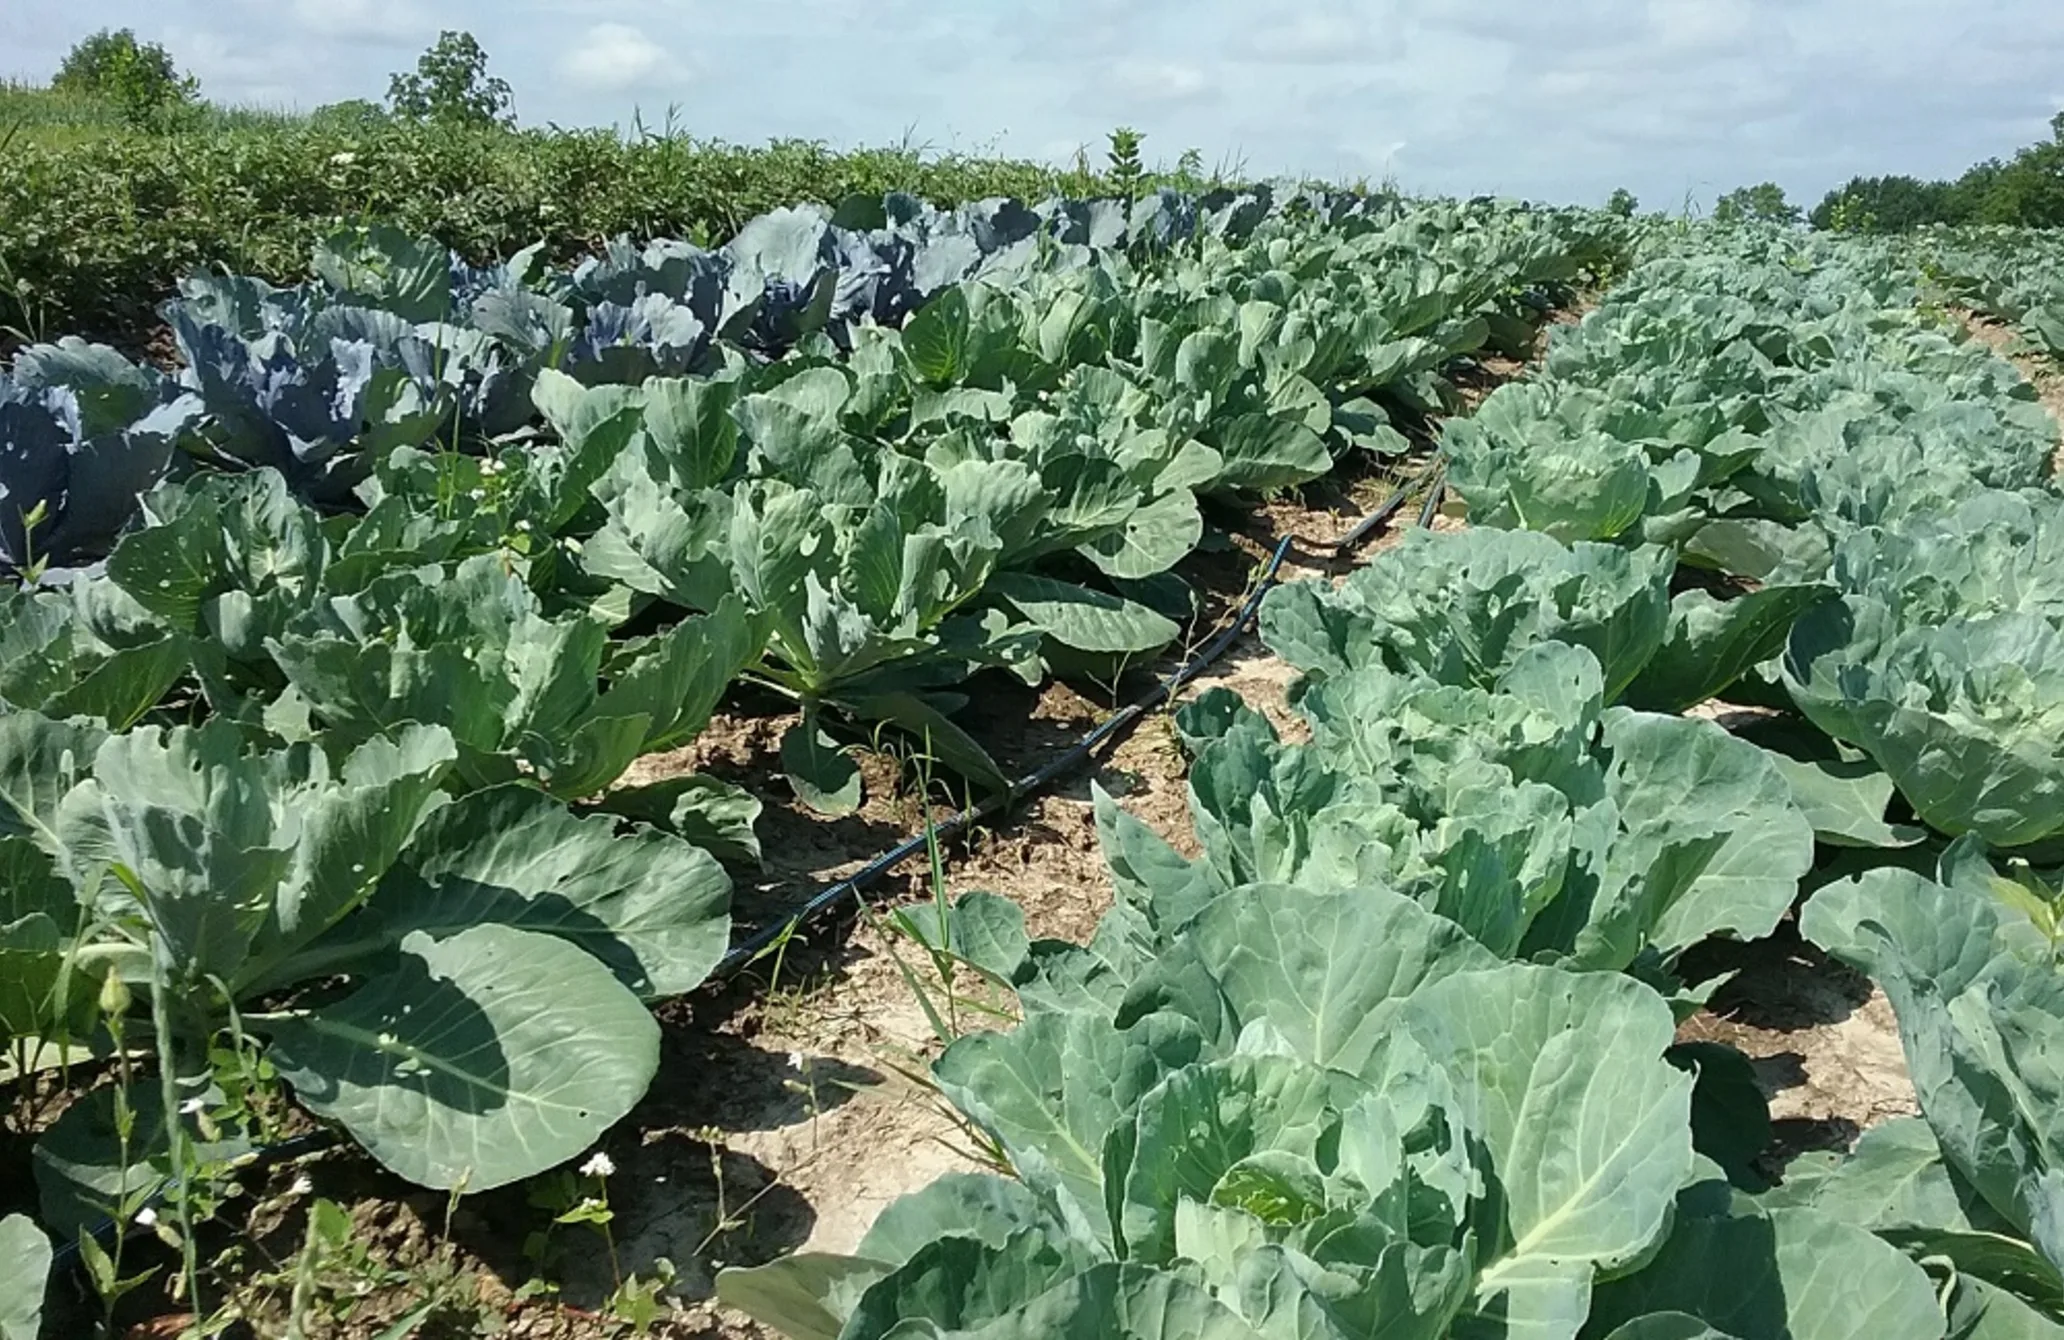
x=1436 y=495
x=851 y=887
x=1370 y=524
x=854 y=886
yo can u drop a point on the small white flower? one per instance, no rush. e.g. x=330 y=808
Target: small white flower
x=490 y=467
x=795 y=1060
x=476 y=495
x=146 y=1216
x=343 y=159
x=302 y=1185
x=523 y=526
x=193 y=1107
x=599 y=1165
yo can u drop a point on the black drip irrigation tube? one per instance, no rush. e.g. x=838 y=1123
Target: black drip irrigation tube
x=1434 y=475
x=852 y=888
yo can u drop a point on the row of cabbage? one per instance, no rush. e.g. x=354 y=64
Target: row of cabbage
x=1395 y=1053
x=326 y=656
x=2012 y=275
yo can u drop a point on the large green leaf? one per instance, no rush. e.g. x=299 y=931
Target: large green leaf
x=676 y=680
x=1266 y=452
x=957 y=1284
x=1790 y=1273
x=1085 y=619
x=51 y=662
x=1667 y=1326
x=933 y=732
x=41 y=761
x=651 y=907
x=1711 y=643
x=1051 y=1091
x=1711 y=842
x=810 y=1296
x=1328 y=972
x=1587 y=1127
x=805 y=1296
x=1156 y=536
x=1845 y=800
x=24 y=1277
x=1110 y=1301
x=481 y=1059
x=688 y=424
x=824 y=775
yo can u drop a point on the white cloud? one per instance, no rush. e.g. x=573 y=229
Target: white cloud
x=384 y=22
x=615 y=57
x=1159 y=81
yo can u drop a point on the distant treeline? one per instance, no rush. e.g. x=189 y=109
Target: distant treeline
x=2027 y=190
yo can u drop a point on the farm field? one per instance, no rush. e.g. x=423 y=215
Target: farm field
x=1463 y=769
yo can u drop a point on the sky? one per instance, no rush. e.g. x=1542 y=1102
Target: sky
x=1558 y=100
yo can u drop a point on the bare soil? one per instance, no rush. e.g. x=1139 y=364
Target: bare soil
x=791 y=1104
x=1822 y=1038
x=2045 y=376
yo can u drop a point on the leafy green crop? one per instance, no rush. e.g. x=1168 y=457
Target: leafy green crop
x=215 y=876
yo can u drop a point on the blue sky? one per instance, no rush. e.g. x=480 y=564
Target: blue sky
x=1552 y=99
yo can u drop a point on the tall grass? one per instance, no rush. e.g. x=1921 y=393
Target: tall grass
x=37 y=115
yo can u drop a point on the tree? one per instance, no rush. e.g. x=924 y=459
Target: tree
x=1764 y=203
x=1889 y=205
x=140 y=78
x=451 y=86
x=1622 y=203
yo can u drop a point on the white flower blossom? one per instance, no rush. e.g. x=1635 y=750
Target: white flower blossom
x=343 y=159
x=523 y=526
x=193 y=1107
x=600 y=1165
x=146 y=1216
x=795 y=1060
x=490 y=467
x=302 y=1185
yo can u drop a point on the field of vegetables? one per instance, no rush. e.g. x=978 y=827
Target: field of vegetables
x=431 y=716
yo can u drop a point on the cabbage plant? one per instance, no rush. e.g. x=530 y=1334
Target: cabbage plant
x=1942 y=663
x=1546 y=825
x=459 y=984
x=1461 y=607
